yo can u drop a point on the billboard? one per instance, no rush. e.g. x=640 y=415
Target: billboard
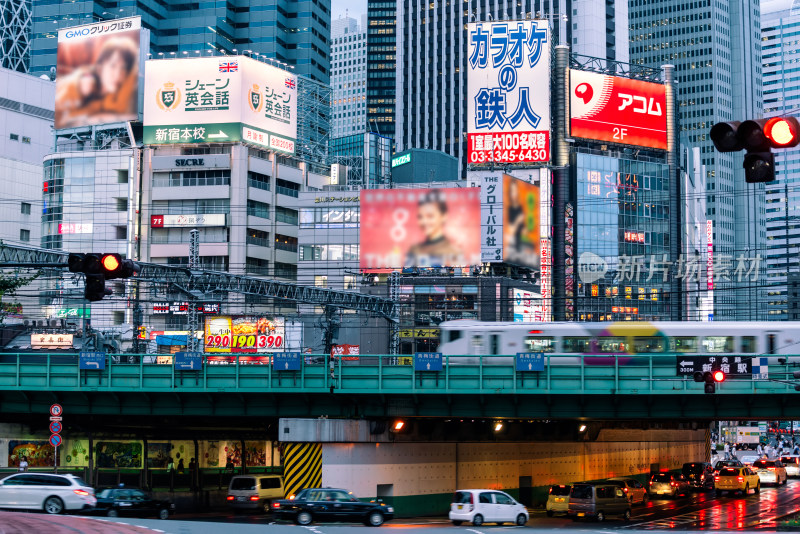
x=98 y=73
x=529 y=306
x=508 y=92
x=244 y=334
x=420 y=228
x=511 y=220
x=617 y=110
x=220 y=99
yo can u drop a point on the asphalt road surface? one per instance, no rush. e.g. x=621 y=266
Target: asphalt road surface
x=699 y=512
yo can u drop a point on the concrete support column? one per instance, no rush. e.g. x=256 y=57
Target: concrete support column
x=673 y=160
x=560 y=157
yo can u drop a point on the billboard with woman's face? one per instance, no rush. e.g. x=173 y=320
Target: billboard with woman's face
x=521 y=222
x=97 y=73
x=420 y=228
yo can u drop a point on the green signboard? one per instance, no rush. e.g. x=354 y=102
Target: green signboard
x=401 y=160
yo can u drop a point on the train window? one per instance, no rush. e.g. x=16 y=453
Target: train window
x=539 y=344
x=718 y=343
x=612 y=344
x=770 y=343
x=648 y=344
x=454 y=335
x=494 y=340
x=748 y=344
x=683 y=344
x=577 y=344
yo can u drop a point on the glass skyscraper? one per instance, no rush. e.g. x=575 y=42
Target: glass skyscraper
x=296 y=32
x=716 y=49
x=780 y=49
x=381 y=65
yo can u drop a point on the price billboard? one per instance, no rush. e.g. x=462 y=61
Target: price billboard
x=244 y=334
x=617 y=110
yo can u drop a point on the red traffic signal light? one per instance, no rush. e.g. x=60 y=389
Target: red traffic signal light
x=111 y=262
x=782 y=132
x=719 y=376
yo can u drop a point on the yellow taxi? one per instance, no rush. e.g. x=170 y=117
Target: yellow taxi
x=735 y=479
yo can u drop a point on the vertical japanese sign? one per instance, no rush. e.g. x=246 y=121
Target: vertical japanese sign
x=492 y=214
x=508 y=92
x=569 y=267
x=207 y=100
x=710 y=259
x=545 y=278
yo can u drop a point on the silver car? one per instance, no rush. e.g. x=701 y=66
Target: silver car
x=52 y=493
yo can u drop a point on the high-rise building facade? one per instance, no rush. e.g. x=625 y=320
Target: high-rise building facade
x=296 y=32
x=780 y=50
x=348 y=78
x=431 y=70
x=381 y=65
x=15 y=34
x=716 y=50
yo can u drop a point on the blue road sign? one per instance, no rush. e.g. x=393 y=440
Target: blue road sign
x=56 y=427
x=55 y=440
x=427 y=361
x=530 y=361
x=95 y=361
x=188 y=361
x=286 y=361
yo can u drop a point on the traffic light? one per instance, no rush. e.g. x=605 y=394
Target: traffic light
x=711 y=379
x=98 y=268
x=757 y=137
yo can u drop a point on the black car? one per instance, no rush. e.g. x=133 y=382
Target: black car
x=115 y=502
x=699 y=474
x=328 y=504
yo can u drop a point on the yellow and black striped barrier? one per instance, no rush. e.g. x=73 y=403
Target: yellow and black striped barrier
x=302 y=467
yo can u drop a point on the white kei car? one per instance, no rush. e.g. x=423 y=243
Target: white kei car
x=43 y=491
x=480 y=506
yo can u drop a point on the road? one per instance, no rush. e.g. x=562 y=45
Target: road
x=700 y=512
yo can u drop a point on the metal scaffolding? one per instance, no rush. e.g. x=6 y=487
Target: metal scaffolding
x=15 y=34
x=313 y=120
x=205 y=281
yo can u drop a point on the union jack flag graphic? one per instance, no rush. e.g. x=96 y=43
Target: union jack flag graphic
x=228 y=66
x=290 y=83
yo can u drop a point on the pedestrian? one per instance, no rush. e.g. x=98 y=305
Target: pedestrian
x=760 y=450
x=727 y=450
x=23 y=464
x=181 y=468
x=170 y=465
x=192 y=465
x=229 y=464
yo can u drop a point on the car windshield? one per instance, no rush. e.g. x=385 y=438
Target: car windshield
x=104 y=494
x=462 y=497
x=243 y=483
x=729 y=472
x=559 y=491
x=662 y=477
x=581 y=491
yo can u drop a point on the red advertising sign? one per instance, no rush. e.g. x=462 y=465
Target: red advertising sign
x=157 y=221
x=346 y=352
x=618 y=110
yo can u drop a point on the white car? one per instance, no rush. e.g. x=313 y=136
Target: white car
x=792 y=464
x=770 y=471
x=40 y=491
x=480 y=506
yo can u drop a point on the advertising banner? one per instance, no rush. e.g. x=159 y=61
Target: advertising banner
x=420 y=228
x=508 y=92
x=187 y=221
x=244 y=334
x=213 y=99
x=617 y=110
x=528 y=306
x=98 y=73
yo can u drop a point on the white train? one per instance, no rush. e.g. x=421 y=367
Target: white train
x=608 y=341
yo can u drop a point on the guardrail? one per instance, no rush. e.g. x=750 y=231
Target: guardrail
x=562 y=375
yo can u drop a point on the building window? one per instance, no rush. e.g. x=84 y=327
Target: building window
x=258 y=180
x=122 y=232
x=285 y=242
x=122 y=204
x=118 y=317
x=122 y=176
x=321 y=280
x=26 y=140
x=257 y=237
x=258 y=209
x=14 y=137
x=283 y=187
x=25 y=208
x=349 y=281
x=257 y=266
x=285 y=270
x=285 y=215
x=24 y=235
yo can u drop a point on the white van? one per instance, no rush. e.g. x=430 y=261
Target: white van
x=481 y=506
x=255 y=492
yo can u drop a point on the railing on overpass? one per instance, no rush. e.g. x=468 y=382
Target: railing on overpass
x=496 y=375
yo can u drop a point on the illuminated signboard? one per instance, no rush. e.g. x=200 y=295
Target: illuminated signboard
x=634 y=237
x=401 y=160
x=618 y=110
x=710 y=259
x=508 y=91
x=613 y=185
x=51 y=341
x=187 y=221
x=528 y=306
x=75 y=228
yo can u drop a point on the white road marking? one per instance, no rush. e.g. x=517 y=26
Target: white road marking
x=475 y=531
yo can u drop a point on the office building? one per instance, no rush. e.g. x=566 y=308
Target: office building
x=431 y=69
x=348 y=78
x=296 y=32
x=381 y=65
x=363 y=158
x=15 y=34
x=780 y=49
x=716 y=50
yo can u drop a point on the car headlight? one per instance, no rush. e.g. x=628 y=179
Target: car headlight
x=390 y=509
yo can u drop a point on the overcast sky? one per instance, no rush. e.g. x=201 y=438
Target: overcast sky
x=354 y=8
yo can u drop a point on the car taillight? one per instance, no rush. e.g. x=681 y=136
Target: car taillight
x=673 y=484
x=716 y=479
x=740 y=479
x=771 y=468
x=651 y=482
x=276 y=505
x=81 y=492
x=254 y=497
x=230 y=497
